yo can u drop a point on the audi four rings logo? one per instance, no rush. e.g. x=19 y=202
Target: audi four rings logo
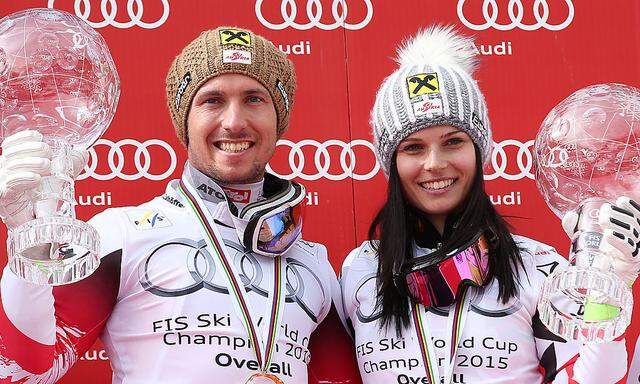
x=199 y=271
x=499 y=160
x=141 y=158
x=516 y=11
x=109 y=10
x=314 y=10
x=322 y=160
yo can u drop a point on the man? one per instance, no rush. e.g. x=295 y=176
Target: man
x=187 y=292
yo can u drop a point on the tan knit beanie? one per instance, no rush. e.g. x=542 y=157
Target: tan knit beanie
x=229 y=50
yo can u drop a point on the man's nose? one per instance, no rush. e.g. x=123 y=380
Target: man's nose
x=234 y=118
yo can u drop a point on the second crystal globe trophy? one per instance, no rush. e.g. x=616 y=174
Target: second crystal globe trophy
x=587 y=154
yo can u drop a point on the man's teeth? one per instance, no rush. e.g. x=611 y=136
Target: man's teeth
x=437 y=184
x=235 y=147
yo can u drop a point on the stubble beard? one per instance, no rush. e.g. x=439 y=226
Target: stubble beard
x=216 y=173
x=256 y=174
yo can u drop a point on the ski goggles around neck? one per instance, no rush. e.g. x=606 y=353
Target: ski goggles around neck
x=434 y=280
x=270 y=227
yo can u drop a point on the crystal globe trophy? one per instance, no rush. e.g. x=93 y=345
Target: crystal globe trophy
x=57 y=77
x=587 y=152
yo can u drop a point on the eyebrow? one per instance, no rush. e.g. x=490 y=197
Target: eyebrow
x=215 y=92
x=254 y=91
x=452 y=133
x=442 y=137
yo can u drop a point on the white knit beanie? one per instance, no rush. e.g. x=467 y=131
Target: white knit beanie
x=433 y=86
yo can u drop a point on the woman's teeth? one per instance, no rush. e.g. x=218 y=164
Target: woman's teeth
x=234 y=147
x=435 y=185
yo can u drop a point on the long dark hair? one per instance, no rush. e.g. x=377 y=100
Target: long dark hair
x=398 y=223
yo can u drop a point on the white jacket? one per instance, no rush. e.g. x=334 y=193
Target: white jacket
x=160 y=303
x=500 y=343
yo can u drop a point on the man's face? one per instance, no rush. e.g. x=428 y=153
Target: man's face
x=231 y=129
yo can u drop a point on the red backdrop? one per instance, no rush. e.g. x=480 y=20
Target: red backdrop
x=535 y=53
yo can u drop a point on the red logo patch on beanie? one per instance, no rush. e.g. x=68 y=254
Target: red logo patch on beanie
x=236 y=56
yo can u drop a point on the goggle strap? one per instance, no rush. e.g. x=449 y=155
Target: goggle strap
x=295 y=193
x=248 y=234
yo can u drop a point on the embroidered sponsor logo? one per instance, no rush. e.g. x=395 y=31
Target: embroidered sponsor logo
x=235 y=37
x=210 y=191
x=283 y=92
x=548 y=268
x=173 y=201
x=477 y=123
x=422 y=84
x=182 y=88
x=238 y=195
x=236 y=56
x=428 y=107
x=148 y=219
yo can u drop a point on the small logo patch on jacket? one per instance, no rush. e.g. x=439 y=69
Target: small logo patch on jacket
x=148 y=219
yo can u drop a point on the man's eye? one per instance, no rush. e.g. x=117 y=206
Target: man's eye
x=212 y=100
x=255 y=99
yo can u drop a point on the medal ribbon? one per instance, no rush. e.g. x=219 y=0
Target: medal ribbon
x=264 y=346
x=455 y=325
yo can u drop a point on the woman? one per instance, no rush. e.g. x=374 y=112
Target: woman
x=432 y=136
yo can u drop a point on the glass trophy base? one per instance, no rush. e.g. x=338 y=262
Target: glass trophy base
x=54 y=250
x=585 y=305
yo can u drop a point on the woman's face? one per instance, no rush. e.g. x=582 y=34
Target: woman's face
x=436 y=166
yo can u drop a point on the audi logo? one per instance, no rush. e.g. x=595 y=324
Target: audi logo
x=322 y=160
x=314 y=10
x=109 y=10
x=499 y=160
x=299 y=165
x=201 y=272
x=516 y=12
x=141 y=158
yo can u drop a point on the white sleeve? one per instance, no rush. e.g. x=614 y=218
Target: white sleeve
x=330 y=280
x=37 y=320
x=40 y=337
x=345 y=307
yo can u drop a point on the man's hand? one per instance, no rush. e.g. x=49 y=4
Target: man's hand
x=25 y=159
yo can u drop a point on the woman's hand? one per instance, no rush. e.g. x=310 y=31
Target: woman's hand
x=621 y=225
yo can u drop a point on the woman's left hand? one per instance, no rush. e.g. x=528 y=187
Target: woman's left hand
x=621 y=240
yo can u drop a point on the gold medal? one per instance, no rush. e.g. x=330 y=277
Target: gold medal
x=264 y=378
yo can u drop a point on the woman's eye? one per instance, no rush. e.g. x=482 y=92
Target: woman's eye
x=455 y=141
x=411 y=148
